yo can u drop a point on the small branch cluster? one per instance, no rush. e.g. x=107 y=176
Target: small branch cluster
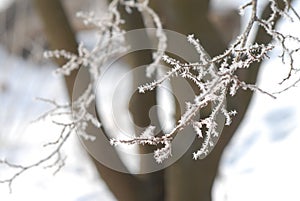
x=289 y=44
x=216 y=77
x=80 y=119
x=143 y=6
x=213 y=84
x=110 y=43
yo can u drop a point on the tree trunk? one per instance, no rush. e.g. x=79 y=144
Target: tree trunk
x=58 y=32
x=140 y=106
x=186 y=179
x=61 y=36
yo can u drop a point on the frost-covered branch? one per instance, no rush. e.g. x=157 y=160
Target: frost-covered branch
x=79 y=121
x=214 y=84
x=216 y=78
x=284 y=40
x=143 y=6
x=110 y=43
x=55 y=155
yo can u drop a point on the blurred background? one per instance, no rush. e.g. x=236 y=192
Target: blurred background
x=261 y=162
x=25 y=75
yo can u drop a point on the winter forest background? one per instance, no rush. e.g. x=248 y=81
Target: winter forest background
x=260 y=163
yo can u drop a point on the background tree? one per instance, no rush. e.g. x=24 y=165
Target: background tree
x=186 y=179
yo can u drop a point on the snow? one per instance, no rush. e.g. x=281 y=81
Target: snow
x=262 y=162
x=21 y=142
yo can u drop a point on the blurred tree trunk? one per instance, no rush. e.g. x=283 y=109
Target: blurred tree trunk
x=186 y=179
x=58 y=31
x=61 y=36
x=141 y=104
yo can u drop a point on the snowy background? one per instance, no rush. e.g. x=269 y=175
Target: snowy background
x=261 y=163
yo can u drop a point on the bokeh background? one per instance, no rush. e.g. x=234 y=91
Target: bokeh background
x=261 y=163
